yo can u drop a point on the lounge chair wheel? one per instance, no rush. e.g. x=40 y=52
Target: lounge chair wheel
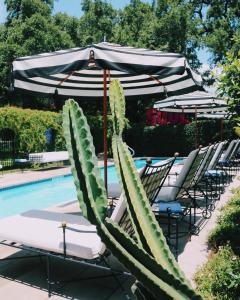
x=212 y=207
x=206 y=214
x=195 y=230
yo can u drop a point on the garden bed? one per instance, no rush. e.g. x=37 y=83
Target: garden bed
x=219 y=279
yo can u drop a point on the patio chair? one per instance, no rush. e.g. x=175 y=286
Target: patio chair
x=234 y=159
x=202 y=190
x=226 y=163
x=213 y=175
x=175 y=200
x=152 y=177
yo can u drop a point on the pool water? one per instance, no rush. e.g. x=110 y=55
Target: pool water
x=46 y=193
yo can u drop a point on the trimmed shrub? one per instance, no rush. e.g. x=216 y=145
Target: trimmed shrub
x=168 y=139
x=30 y=128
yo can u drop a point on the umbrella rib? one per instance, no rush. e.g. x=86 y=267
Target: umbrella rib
x=66 y=78
x=156 y=79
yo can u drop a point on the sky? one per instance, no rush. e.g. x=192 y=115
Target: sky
x=73 y=8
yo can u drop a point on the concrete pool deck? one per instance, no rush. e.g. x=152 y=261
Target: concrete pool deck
x=24 y=279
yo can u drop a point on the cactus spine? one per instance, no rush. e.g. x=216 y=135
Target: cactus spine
x=148 y=259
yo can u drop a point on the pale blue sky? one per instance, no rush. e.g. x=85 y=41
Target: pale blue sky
x=73 y=8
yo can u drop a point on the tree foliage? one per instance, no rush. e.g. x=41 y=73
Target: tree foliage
x=229 y=83
x=30 y=29
x=30 y=128
x=218 y=22
x=97 y=22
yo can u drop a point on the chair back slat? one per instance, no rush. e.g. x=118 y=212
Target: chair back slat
x=204 y=164
x=188 y=178
x=216 y=156
x=235 y=149
x=152 y=177
x=229 y=150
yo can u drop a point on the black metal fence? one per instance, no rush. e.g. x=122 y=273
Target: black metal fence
x=8 y=153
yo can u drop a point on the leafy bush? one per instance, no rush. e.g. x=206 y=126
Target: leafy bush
x=168 y=139
x=219 y=279
x=228 y=228
x=30 y=127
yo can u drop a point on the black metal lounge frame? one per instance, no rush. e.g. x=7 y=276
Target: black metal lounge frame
x=63 y=256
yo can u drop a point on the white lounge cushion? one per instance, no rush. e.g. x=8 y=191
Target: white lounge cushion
x=42 y=229
x=169 y=193
x=216 y=155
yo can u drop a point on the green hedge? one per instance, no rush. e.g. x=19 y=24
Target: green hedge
x=168 y=139
x=30 y=126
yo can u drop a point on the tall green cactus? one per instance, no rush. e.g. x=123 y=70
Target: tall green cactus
x=148 y=259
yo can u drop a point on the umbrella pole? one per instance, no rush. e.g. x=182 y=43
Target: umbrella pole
x=105 y=126
x=196 y=128
x=221 y=132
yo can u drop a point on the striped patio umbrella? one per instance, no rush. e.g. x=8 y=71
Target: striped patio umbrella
x=85 y=73
x=195 y=102
x=217 y=115
x=200 y=100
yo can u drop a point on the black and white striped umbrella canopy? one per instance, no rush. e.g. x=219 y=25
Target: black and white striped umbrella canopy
x=199 y=101
x=217 y=115
x=78 y=72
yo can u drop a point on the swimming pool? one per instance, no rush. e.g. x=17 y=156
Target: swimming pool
x=46 y=193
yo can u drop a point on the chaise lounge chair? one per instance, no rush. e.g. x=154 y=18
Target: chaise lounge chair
x=58 y=235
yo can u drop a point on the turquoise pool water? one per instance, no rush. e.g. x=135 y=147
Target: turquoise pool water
x=46 y=193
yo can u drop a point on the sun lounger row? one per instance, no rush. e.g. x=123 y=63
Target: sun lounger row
x=198 y=185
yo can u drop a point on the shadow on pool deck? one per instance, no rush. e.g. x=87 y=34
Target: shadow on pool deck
x=26 y=279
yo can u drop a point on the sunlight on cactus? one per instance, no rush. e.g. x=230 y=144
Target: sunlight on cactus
x=148 y=257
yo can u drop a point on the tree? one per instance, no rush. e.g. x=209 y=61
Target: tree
x=27 y=34
x=135 y=25
x=68 y=25
x=97 y=22
x=229 y=83
x=218 y=22
x=164 y=25
x=22 y=9
x=176 y=29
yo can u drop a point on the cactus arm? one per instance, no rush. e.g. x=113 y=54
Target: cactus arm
x=150 y=267
x=116 y=162
x=157 y=280
x=141 y=293
x=117 y=104
x=138 y=205
x=84 y=162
